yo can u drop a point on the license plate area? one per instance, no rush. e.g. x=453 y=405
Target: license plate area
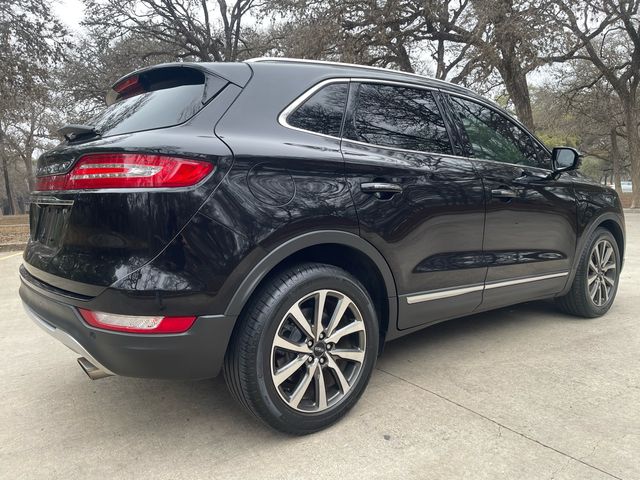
x=48 y=222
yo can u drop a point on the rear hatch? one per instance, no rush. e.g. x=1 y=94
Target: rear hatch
x=122 y=185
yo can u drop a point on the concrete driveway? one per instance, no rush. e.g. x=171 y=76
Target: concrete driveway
x=523 y=392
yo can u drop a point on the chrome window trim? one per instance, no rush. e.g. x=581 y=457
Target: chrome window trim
x=454 y=292
x=282 y=117
x=289 y=109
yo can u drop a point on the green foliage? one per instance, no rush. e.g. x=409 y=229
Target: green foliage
x=593 y=167
x=558 y=138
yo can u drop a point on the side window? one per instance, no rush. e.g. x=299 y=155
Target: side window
x=399 y=117
x=494 y=137
x=323 y=111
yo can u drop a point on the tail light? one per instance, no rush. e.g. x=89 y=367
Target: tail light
x=137 y=324
x=127 y=170
x=129 y=87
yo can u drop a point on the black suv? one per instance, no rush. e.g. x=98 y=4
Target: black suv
x=281 y=220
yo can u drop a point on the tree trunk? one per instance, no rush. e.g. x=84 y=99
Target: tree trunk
x=404 y=62
x=515 y=80
x=7 y=184
x=28 y=165
x=615 y=160
x=633 y=140
x=5 y=171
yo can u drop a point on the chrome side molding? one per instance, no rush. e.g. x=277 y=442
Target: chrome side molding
x=454 y=292
x=518 y=281
x=437 y=295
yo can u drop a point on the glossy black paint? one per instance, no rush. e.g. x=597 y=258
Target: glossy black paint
x=541 y=218
x=111 y=234
x=279 y=193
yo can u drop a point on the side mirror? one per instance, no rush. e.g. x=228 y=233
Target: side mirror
x=565 y=159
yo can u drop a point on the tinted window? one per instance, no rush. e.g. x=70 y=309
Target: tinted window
x=323 y=111
x=160 y=108
x=399 y=117
x=494 y=137
x=156 y=98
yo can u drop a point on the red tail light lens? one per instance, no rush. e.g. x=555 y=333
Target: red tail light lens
x=127 y=170
x=126 y=84
x=129 y=87
x=137 y=324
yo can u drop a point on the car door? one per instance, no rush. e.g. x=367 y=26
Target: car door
x=417 y=203
x=530 y=226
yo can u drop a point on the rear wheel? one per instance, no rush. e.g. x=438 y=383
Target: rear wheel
x=304 y=348
x=596 y=282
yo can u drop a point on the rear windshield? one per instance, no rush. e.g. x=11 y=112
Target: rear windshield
x=163 y=103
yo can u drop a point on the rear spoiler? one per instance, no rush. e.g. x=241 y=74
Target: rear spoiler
x=236 y=73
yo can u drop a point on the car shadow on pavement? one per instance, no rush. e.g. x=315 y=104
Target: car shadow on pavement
x=129 y=407
x=491 y=322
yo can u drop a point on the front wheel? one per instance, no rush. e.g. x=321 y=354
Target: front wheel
x=596 y=282
x=304 y=349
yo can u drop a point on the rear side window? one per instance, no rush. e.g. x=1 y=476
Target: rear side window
x=323 y=111
x=157 y=99
x=495 y=137
x=399 y=117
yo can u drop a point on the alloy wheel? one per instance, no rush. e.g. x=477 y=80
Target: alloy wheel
x=601 y=276
x=318 y=351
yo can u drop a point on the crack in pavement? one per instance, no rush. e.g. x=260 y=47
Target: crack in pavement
x=500 y=424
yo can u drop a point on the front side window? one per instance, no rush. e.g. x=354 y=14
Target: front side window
x=399 y=117
x=323 y=111
x=494 y=137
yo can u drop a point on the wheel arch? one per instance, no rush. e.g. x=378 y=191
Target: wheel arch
x=343 y=249
x=618 y=233
x=614 y=223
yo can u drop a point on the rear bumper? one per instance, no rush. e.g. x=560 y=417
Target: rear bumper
x=195 y=354
x=64 y=338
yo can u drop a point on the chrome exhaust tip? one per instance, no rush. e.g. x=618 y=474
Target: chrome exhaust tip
x=93 y=372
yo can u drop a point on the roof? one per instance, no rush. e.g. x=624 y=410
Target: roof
x=378 y=72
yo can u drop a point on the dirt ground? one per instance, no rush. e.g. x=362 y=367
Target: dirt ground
x=13 y=233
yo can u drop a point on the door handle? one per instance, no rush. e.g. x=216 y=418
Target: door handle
x=380 y=187
x=503 y=193
x=381 y=190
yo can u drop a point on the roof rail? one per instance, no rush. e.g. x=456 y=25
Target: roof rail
x=341 y=64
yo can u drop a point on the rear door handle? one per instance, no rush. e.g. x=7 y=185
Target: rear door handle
x=503 y=193
x=380 y=187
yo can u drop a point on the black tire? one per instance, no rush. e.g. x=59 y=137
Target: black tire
x=578 y=300
x=250 y=370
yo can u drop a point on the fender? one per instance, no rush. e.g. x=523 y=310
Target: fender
x=282 y=252
x=617 y=218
